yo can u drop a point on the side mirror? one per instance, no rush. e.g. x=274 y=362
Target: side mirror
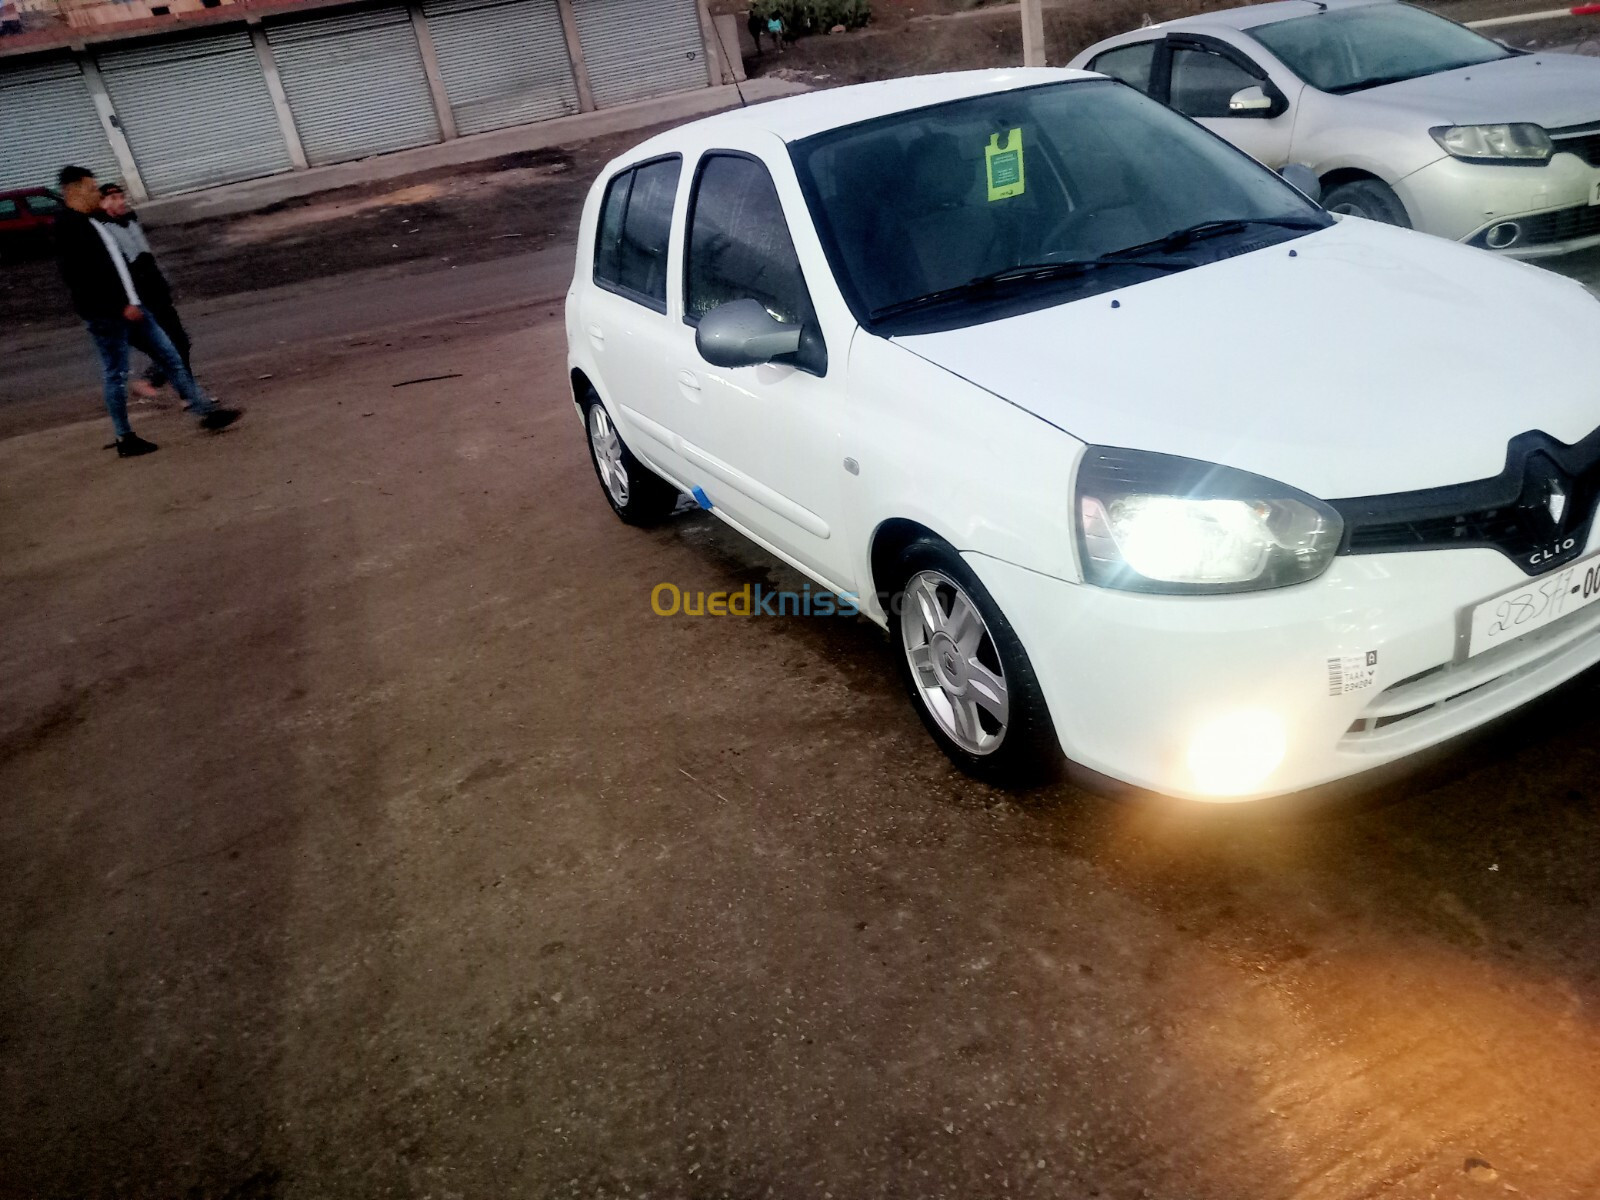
x=1304 y=179
x=1250 y=102
x=742 y=333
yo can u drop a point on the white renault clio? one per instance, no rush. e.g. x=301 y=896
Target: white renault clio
x=1141 y=457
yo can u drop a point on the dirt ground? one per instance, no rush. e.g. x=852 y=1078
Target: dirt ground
x=365 y=835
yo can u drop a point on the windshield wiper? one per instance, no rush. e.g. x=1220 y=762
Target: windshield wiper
x=1204 y=229
x=1026 y=273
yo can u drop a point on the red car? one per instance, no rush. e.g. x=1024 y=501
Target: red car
x=26 y=216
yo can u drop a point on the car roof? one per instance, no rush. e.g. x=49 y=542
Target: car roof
x=794 y=117
x=1264 y=14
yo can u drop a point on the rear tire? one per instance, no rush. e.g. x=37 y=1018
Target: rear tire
x=636 y=493
x=966 y=672
x=1370 y=198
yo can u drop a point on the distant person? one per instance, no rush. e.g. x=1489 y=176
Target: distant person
x=10 y=18
x=776 y=30
x=104 y=295
x=122 y=223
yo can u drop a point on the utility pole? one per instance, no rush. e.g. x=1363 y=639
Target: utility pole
x=1032 y=33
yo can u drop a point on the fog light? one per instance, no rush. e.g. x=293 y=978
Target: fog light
x=1234 y=754
x=1504 y=235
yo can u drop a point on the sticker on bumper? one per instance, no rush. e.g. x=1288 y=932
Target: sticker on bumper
x=1352 y=673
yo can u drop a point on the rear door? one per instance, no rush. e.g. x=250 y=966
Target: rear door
x=624 y=314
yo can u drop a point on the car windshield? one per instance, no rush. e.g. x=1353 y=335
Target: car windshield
x=1023 y=191
x=1357 y=48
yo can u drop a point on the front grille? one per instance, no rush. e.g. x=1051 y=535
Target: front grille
x=1582 y=140
x=1536 y=512
x=1570 y=645
x=1563 y=225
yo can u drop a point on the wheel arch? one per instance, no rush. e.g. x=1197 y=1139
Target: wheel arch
x=889 y=540
x=1340 y=176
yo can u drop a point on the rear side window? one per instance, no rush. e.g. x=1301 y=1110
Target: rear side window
x=1131 y=64
x=739 y=244
x=8 y=208
x=630 y=254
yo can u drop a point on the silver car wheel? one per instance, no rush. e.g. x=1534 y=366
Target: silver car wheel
x=607 y=449
x=954 y=662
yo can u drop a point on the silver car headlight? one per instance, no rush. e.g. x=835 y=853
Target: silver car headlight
x=1160 y=523
x=1515 y=143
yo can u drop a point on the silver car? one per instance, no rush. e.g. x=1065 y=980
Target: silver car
x=1405 y=117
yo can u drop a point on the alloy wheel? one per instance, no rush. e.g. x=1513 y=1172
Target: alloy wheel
x=954 y=662
x=606 y=446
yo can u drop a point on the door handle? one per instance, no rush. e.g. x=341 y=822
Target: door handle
x=597 y=335
x=689 y=380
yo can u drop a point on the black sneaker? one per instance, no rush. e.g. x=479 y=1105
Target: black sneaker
x=220 y=418
x=133 y=446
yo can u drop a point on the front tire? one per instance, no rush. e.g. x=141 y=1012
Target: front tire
x=636 y=493
x=966 y=672
x=1370 y=198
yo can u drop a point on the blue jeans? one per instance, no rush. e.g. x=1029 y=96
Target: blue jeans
x=112 y=337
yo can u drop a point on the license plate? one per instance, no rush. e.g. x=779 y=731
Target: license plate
x=1534 y=605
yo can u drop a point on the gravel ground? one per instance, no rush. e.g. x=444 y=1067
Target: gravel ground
x=365 y=835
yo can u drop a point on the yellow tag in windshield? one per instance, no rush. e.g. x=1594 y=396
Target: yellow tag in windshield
x=1002 y=160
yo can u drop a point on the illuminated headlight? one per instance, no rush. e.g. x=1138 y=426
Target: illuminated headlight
x=1521 y=142
x=1158 y=523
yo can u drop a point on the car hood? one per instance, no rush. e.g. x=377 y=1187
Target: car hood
x=1553 y=90
x=1370 y=360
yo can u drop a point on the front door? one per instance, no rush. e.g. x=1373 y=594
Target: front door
x=762 y=442
x=1203 y=76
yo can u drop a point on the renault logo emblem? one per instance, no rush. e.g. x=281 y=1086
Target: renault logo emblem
x=1556 y=502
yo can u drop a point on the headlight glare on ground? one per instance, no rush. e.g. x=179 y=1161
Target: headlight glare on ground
x=1152 y=522
x=1520 y=142
x=1235 y=753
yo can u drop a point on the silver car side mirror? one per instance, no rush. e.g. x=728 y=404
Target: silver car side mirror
x=1253 y=99
x=1302 y=178
x=742 y=333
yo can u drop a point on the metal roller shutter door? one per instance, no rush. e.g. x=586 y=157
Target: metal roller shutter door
x=196 y=111
x=635 y=49
x=47 y=120
x=502 y=63
x=355 y=83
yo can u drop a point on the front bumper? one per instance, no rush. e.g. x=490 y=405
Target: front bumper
x=1138 y=684
x=1556 y=206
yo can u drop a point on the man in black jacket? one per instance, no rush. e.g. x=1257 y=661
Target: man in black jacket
x=104 y=296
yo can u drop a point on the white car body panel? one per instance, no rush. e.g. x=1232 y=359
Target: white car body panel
x=1313 y=400
x=1369 y=360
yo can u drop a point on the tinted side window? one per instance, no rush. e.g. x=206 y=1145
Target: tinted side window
x=42 y=204
x=739 y=244
x=635 y=226
x=8 y=208
x=608 y=244
x=1131 y=64
x=1203 y=82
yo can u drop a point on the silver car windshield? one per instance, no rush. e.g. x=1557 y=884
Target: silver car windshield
x=1024 y=190
x=1352 y=49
